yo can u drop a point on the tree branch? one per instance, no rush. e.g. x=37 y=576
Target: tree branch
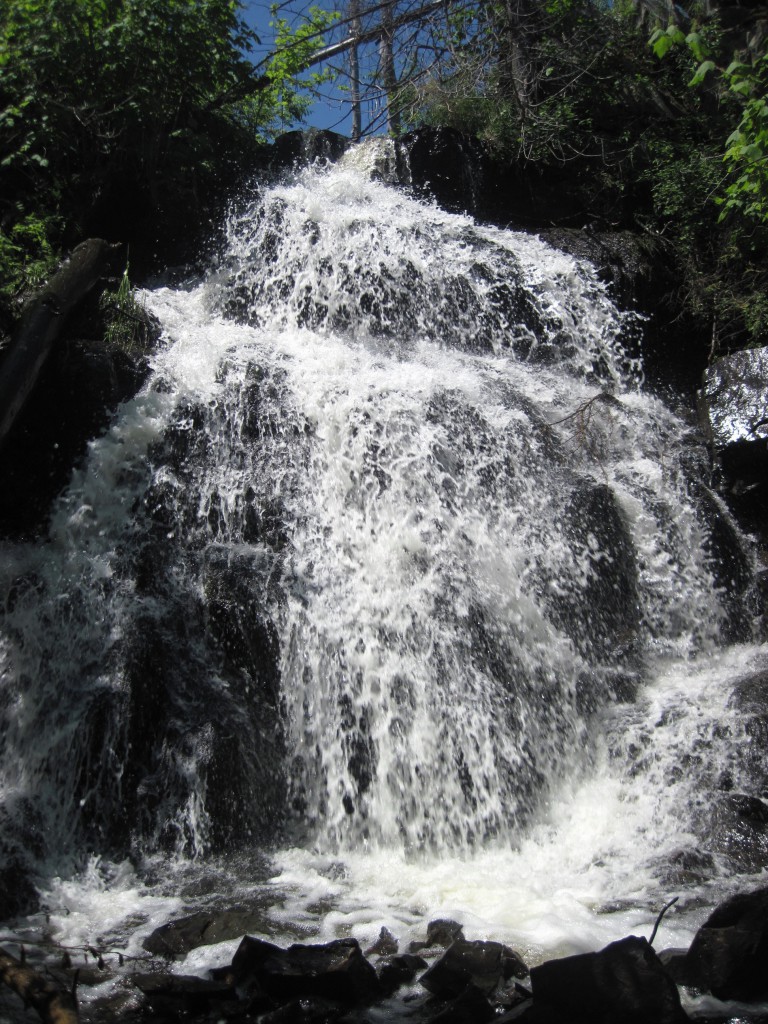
x=52 y=1004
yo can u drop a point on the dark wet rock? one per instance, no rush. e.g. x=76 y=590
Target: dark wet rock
x=300 y=148
x=385 y=945
x=730 y=562
x=603 y=616
x=308 y=1010
x=337 y=970
x=630 y=263
x=469 y=1007
x=307 y=146
x=440 y=933
x=673 y=962
x=750 y=697
x=90 y=974
x=201 y=929
x=739 y=830
x=603 y=683
x=18 y=895
x=182 y=994
x=445 y=164
x=729 y=954
x=530 y=1013
x=686 y=867
x=624 y=982
x=248 y=959
x=394 y=971
x=733 y=401
x=74 y=398
x=481 y=964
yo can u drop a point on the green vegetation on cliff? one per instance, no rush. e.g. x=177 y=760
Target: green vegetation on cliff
x=655 y=115
x=125 y=118
x=128 y=118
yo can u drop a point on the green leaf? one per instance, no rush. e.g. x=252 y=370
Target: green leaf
x=662 y=45
x=702 y=71
x=696 y=46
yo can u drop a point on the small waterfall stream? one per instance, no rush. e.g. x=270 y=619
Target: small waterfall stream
x=394 y=573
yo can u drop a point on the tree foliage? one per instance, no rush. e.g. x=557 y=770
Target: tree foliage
x=641 y=140
x=113 y=111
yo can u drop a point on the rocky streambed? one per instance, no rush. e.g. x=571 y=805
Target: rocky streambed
x=441 y=979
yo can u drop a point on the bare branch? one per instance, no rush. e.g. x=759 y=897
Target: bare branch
x=52 y=1004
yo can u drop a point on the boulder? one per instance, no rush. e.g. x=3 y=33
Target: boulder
x=527 y=1012
x=440 y=933
x=385 y=945
x=733 y=401
x=302 y=147
x=625 y=983
x=72 y=401
x=469 y=1007
x=445 y=164
x=201 y=929
x=738 y=829
x=180 y=995
x=336 y=971
x=602 y=615
x=749 y=699
x=394 y=971
x=309 y=1010
x=18 y=895
x=729 y=954
x=480 y=964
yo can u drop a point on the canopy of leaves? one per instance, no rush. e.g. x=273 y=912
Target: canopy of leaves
x=115 y=113
x=640 y=140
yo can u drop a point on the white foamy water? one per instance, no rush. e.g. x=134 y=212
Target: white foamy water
x=393 y=571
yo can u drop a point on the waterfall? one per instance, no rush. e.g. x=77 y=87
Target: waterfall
x=392 y=556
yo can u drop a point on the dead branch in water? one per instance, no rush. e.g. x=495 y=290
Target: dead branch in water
x=52 y=1004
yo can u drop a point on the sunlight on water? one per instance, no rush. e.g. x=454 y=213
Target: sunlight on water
x=393 y=564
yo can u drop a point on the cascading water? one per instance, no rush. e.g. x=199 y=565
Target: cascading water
x=392 y=564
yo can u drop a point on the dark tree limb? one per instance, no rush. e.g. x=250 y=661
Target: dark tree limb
x=52 y=1004
x=663 y=911
x=41 y=324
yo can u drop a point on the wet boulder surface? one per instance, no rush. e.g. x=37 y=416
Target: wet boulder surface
x=729 y=954
x=452 y=980
x=733 y=401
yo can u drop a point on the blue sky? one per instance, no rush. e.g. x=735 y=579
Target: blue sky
x=329 y=112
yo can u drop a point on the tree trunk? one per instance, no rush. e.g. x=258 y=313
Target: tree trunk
x=354 y=71
x=52 y=1004
x=41 y=324
x=389 y=78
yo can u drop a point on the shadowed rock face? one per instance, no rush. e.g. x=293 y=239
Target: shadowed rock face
x=733 y=403
x=729 y=952
x=625 y=981
x=75 y=396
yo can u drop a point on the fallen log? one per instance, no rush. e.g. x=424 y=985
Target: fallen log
x=52 y=1004
x=41 y=324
